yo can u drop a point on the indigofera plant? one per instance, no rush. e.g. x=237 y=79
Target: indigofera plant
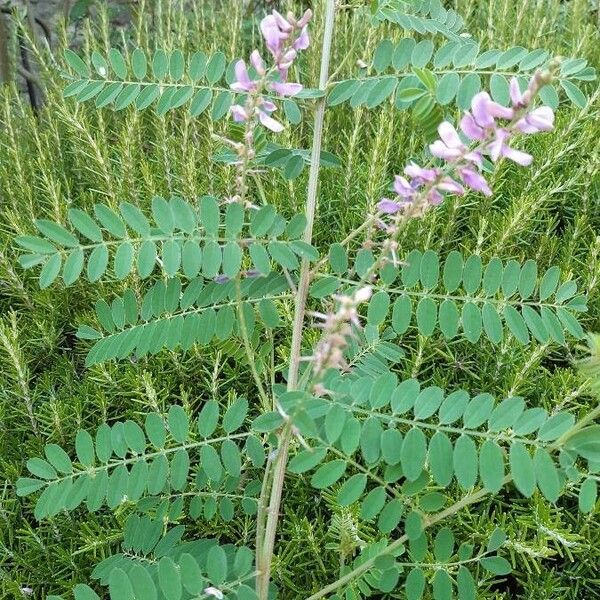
x=404 y=455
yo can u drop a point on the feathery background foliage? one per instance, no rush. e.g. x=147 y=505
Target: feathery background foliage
x=72 y=155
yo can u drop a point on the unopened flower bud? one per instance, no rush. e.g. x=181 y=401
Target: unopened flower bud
x=306 y=17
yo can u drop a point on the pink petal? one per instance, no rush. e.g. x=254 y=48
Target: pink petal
x=389 y=207
x=475 y=181
x=286 y=89
x=243 y=83
x=238 y=113
x=439 y=149
x=402 y=187
x=521 y=158
x=268 y=106
x=497 y=146
x=515 y=92
x=480 y=107
x=272 y=34
x=499 y=111
x=449 y=185
x=269 y=122
x=417 y=172
x=471 y=129
x=302 y=42
x=435 y=197
x=257 y=62
x=542 y=118
x=282 y=22
x=449 y=135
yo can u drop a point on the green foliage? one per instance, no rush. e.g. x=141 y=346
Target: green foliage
x=385 y=464
x=423 y=16
x=123 y=462
x=171 y=317
x=182 y=238
x=417 y=75
x=482 y=300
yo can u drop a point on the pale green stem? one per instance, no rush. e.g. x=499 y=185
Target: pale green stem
x=265 y=551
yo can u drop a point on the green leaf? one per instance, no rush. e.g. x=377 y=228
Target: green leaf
x=588 y=494
x=58 y=458
x=352 y=489
x=465 y=461
x=415 y=584
x=169 y=578
x=179 y=423
x=216 y=565
x=50 y=271
x=496 y=565
x=76 y=63
x=575 y=95
x=117 y=62
x=84 y=592
x=522 y=469
x=327 y=474
x=426 y=316
x=546 y=475
x=119 y=585
x=413 y=453
x=491 y=466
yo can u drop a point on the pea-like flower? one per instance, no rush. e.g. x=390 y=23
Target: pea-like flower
x=487 y=128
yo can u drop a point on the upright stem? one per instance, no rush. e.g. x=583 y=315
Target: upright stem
x=265 y=550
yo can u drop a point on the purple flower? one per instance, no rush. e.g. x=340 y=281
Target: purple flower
x=518 y=99
x=264 y=116
x=402 y=187
x=390 y=207
x=302 y=42
x=485 y=110
x=257 y=62
x=447 y=184
x=471 y=129
x=274 y=33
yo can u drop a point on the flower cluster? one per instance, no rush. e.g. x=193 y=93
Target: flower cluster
x=284 y=38
x=337 y=327
x=486 y=131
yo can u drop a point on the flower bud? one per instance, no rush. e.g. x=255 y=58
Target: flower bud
x=306 y=17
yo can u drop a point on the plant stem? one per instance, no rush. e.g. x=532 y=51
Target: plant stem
x=265 y=551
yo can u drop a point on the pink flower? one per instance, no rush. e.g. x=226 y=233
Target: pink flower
x=402 y=187
x=474 y=180
x=420 y=174
x=302 y=42
x=499 y=148
x=485 y=110
x=239 y=113
x=539 y=119
x=518 y=99
x=447 y=184
x=273 y=32
x=470 y=128
x=286 y=89
x=390 y=207
x=243 y=82
x=257 y=62
x=264 y=116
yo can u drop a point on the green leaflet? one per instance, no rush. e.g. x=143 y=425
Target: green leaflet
x=475 y=299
